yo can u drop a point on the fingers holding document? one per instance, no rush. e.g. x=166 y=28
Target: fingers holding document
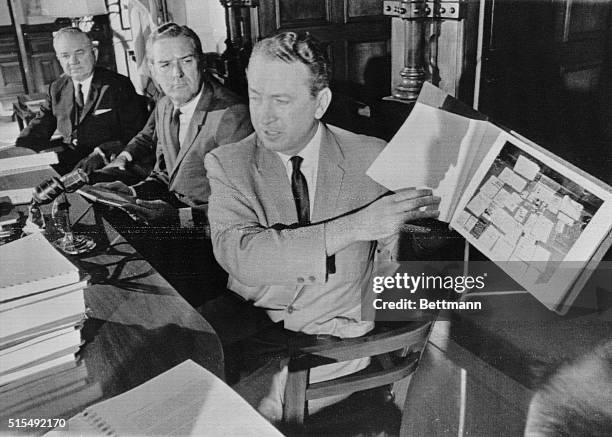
x=393 y=213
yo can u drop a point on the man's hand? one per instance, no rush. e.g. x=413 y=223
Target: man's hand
x=91 y=162
x=121 y=162
x=154 y=212
x=389 y=214
x=116 y=186
x=380 y=219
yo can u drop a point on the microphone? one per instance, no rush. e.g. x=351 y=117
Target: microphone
x=50 y=189
x=54 y=190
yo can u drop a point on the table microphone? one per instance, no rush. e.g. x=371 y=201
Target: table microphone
x=54 y=190
x=50 y=189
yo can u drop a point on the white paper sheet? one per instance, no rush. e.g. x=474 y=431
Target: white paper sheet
x=431 y=149
x=185 y=400
x=21 y=164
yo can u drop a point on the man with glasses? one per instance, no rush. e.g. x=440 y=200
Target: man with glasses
x=96 y=111
x=196 y=115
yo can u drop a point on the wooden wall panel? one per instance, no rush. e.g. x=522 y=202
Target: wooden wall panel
x=585 y=16
x=361 y=56
x=354 y=32
x=302 y=12
x=363 y=8
x=547 y=64
x=10 y=77
x=46 y=69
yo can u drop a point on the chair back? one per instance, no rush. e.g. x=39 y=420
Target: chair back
x=395 y=347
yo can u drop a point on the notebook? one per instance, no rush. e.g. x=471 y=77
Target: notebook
x=31 y=265
x=22 y=164
x=185 y=400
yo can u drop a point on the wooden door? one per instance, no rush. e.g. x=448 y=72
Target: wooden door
x=10 y=73
x=355 y=33
x=546 y=73
x=45 y=66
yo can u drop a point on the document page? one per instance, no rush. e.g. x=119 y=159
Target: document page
x=433 y=149
x=186 y=400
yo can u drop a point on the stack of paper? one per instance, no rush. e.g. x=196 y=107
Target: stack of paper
x=42 y=307
x=9 y=222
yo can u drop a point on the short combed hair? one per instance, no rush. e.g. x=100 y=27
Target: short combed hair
x=173 y=30
x=71 y=31
x=575 y=400
x=298 y=47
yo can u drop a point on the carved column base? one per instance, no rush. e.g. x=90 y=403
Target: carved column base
x=409 y=87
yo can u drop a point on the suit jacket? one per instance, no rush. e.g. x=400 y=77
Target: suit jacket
x=113 y=113
x=220 y=118
x=282 y=267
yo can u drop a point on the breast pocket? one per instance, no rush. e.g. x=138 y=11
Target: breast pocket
x=99 y=112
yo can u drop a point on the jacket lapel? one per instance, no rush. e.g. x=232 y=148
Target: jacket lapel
x=195 y=125
x=329 y=178
x=67 y=101
x=169 y=150
x=92 y=98
x=277 y=184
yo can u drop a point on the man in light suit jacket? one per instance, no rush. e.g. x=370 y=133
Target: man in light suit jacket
x=97 y=111
x=196 y=115
x=294 y=220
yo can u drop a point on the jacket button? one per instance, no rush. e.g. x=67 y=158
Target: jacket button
x=311 y=278
x=300 y=279
x=290 y=309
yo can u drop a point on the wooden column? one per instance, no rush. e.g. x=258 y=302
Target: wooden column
x=24 y=61
x=238 y=42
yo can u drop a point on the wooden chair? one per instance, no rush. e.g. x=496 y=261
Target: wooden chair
x=395 y=348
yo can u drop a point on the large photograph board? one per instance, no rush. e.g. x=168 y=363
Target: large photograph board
x=540 y=220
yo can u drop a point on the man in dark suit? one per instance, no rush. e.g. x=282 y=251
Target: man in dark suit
x=196 y=115
x=96 y=111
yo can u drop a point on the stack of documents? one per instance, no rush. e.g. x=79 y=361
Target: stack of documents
x=42 y=308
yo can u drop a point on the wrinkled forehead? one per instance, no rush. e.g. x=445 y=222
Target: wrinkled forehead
x=276 y=74
x=71 y=42
x=170 y=48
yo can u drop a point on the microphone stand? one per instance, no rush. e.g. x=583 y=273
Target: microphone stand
x=54 y=190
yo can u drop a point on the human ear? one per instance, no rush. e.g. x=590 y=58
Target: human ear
x=323 y=100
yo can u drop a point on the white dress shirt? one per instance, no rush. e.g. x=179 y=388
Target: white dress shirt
x=85 y=87
x=187 y=110
x=309 y=166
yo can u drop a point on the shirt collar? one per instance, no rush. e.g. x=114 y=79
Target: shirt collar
x=85 y=84
x=310 y=153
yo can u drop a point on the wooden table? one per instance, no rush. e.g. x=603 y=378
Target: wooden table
x=138 y=325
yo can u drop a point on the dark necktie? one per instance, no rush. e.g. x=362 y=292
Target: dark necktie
x=77 y=111
x=79 y=97
x=299 y=186
x=175 y=126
